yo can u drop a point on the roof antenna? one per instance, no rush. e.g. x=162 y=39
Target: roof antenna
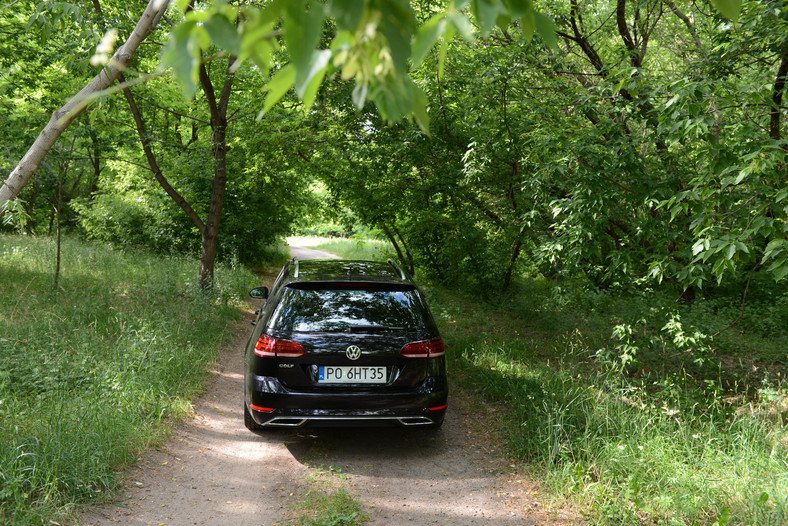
x=350 y=273
x=295 y=262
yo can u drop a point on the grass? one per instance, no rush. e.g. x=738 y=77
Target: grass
x=625 y=404
x=326 y=502
x=94 y=372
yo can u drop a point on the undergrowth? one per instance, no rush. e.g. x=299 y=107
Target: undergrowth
x=629 y=404
x=93 y=372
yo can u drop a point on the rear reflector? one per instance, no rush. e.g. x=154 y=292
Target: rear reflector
x=264 y=409
x=270 y=346
x=424 y=349
x=444 y=406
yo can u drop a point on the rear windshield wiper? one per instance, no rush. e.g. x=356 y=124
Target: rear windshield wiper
x=372 y=328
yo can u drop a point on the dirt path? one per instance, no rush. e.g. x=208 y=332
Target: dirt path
x=310 y=253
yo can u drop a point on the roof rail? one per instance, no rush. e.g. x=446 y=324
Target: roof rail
x=295 y=262
x=397 y=268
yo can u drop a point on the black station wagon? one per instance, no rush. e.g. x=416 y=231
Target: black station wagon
x=348 y=343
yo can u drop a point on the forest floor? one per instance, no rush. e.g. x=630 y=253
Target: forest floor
x=213 y=470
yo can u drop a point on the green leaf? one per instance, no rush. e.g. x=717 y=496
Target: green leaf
x=486 y=13
x=282 y=81
x=728 y=8
x=426 y=37
x=730 y=251
x=224 y=34
x=347 y=13
x=181 y=5
x=397 y=24
x=448 y=36
x=779 y=269
x=518 y=8
x=182 y=54
x=463 y=26
x=529 y=26
x=719 y=269
x=420 y=109
x=503 y=21
x=546 y=28
x=317 y=64
x=315 y=77
x=359 y=95
x=303 y=24
x=257 y=40
x=698 y=247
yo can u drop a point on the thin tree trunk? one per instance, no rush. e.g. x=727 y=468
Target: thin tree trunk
x=777 y=99
x=95 y=160
x=63 y=117
x=507 y=279
x=59 y=204
x=219 y=126
x=393 y=242
x=411 y=265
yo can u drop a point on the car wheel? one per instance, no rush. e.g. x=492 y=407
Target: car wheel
x=249 y=422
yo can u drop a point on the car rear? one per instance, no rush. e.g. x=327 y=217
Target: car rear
x=346 y=353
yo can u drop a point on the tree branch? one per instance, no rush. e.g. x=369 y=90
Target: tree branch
x=154 y=165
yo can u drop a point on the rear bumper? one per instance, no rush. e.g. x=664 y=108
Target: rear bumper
x=271 y=404
x=284 y=418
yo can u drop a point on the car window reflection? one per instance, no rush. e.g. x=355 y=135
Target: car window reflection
x=304 y=310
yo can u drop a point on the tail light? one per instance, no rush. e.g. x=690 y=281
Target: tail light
x=270 y=346
x=424 y=349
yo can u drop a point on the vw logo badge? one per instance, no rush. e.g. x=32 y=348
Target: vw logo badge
x=353 y=352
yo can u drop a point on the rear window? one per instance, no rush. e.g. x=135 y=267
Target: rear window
x=349 y=307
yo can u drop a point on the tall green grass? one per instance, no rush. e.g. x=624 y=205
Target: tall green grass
x=654 y=422
x=90 y=373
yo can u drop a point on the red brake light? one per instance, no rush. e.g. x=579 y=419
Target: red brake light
x=270 y=346
x=424 y=349
x=288 y=349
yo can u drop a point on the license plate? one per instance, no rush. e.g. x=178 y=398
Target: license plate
x=351 y=375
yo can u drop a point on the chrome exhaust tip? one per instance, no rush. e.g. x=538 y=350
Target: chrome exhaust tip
x=283 y=421
x=415 y=421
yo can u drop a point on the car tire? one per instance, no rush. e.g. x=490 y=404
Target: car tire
x=249 y=422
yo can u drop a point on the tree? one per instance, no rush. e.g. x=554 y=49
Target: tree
x=64 y=116
x=376 y=43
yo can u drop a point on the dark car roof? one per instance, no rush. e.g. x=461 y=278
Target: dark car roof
x=327 y=270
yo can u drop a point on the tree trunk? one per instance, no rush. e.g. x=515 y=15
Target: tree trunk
x=411 y=265
x=95 y=160
x=63 y=117
x=394 y=243
x=777 y=98
x=219 y=126
x=507 y=279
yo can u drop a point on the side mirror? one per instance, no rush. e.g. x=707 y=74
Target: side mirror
x=259 y=293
